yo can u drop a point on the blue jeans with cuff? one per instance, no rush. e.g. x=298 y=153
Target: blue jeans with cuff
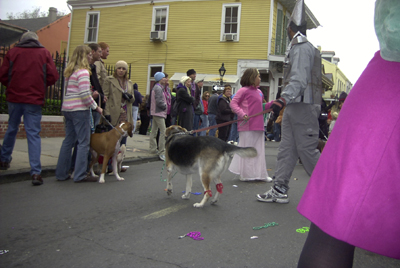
x=32 y=116
x=77 y=128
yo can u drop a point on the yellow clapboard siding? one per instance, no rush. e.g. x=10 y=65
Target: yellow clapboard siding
x=193 y=39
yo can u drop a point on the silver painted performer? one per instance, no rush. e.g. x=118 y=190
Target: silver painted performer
x=301 y=94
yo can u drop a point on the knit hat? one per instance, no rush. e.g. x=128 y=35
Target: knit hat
x=199 y=80
x=190 y=72
x=183 y=79
x=29 y=35
x=158 y=76
x=121 y=63
x=135 y=86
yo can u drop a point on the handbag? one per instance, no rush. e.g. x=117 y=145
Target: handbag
x=200 y=108
x=100 y=128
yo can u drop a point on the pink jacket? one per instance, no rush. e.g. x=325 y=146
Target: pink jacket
x=248 y=101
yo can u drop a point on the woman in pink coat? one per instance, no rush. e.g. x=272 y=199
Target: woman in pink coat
x=353 y=197
x=249 y=101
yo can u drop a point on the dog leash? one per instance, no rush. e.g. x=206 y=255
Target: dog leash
x=111 y=124
x=230 y=122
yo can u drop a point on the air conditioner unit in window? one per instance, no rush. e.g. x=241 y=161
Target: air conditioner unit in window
x=230 y=37
x=157 y=35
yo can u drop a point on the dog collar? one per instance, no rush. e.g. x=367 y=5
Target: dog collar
x=169 y=138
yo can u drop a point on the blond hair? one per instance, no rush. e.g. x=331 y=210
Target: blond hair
x=78 y=60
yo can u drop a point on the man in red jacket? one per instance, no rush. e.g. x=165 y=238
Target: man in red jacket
x=28 y=69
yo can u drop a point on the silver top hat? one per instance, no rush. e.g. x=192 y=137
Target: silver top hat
x=298 y=15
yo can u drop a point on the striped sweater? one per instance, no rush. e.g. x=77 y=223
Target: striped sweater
x=77 y=95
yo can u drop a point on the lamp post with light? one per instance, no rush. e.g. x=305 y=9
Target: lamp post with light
x=222 y=71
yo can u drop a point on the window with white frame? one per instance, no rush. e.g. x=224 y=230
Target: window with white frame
x=92 y=27
x=230 y=23
x=160 y=20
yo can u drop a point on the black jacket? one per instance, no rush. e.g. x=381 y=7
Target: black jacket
x=185 y=107
x=94 y=81
x=224 y=112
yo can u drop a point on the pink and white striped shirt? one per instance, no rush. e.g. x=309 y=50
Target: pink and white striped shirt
x=77 y=94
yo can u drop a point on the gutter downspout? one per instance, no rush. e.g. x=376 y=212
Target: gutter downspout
x=271 y=21
x=70 y=26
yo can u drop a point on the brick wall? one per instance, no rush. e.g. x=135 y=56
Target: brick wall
x=52 y=126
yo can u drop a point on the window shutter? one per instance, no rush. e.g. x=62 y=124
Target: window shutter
x=278 y=36
x=284 y=37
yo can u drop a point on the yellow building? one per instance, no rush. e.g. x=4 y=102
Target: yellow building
x=174 y=36
x=341 y=83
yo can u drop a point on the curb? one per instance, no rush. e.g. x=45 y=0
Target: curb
x=49 y=171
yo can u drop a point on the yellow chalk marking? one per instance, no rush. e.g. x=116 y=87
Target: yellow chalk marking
x=164 y=212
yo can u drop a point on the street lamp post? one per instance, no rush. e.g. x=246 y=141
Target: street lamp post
x=221 y=74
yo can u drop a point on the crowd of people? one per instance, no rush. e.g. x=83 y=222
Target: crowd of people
x=357 y=184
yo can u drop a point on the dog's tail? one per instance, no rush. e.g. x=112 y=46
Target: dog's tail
x=243 y=151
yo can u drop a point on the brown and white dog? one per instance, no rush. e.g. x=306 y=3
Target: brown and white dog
x=208 y=156
x=120 y=158
x=108 y=145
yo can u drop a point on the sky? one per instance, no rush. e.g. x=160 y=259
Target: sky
x=347 y=28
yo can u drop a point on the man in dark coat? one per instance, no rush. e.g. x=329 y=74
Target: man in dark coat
x=97 y=91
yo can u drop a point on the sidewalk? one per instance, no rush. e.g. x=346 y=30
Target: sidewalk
x=137 y=152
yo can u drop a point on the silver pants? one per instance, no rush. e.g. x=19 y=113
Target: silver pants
x=300 y=131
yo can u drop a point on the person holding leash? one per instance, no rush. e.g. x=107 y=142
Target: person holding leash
x=249 y=101
x=302 y=94
x=75 y=108
x=352 y=199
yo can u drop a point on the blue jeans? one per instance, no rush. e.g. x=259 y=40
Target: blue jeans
x=204 y=124
x=96 y=118
x=196 y=122
x=32 y=117
x=135 y=110
x=276 y=134
x=234 y=135
x=212 y=122
x=77 y=128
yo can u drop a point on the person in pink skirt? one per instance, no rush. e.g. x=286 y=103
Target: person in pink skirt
x=249 y=101
x=353 y=197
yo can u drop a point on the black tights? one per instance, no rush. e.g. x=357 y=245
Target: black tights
x=322 y=250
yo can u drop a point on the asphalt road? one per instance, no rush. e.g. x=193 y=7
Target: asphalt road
x=133 y=223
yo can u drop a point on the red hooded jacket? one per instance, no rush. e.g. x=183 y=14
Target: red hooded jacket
x=28 y=69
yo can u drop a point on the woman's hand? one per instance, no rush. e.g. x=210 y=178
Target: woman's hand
x=245 y=117
x=99 y=110
x=95 y=94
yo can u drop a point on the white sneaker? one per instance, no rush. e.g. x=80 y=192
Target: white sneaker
x=273 y=196
x=162 y=157
x=269 y=179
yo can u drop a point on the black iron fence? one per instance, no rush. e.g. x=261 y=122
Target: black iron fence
x=53 y=95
